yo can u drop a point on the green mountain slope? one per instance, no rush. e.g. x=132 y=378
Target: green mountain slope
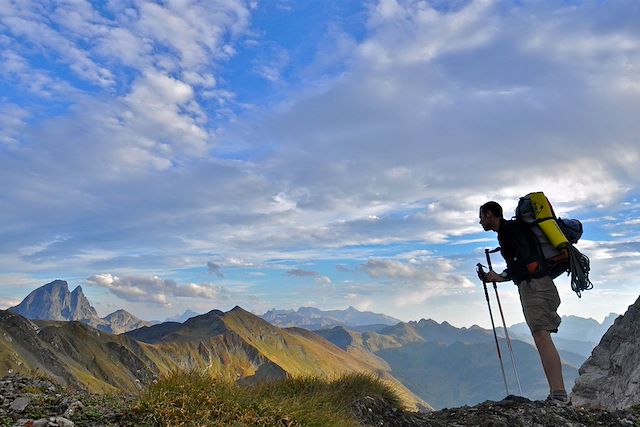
x=236 y=345
x=449 y=366
x=282 y=351
x=465 y=374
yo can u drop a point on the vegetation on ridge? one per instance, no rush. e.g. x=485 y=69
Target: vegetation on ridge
x=195 y=398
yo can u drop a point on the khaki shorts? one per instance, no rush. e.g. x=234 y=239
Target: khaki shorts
x=540 y=300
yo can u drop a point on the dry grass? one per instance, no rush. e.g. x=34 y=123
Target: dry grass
x=196 y=399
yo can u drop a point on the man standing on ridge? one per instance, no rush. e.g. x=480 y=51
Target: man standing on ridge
x=538 y=293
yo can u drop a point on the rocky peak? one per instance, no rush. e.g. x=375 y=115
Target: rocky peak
x=610 y=378
x=53 y=301
x=121 y=321
x=120 y=313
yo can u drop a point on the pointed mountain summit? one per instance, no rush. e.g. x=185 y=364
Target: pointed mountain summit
x=188 y=314
x=53 y=301
x=121 y=321
x=243 y=345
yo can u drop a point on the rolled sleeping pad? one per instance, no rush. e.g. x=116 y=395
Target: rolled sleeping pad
x=544 y=212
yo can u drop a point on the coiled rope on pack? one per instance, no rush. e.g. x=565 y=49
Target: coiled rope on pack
x=579 y=267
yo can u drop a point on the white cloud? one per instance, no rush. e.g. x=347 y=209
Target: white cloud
x=418 y=279
x=8 y=303
x=38 y=32
x=435 y=112
x=238 y=262
x=191 y=35
x=16 y=69
x=431 y=33
x=154 y=289
x=323 y=280
x=12 y=123
x=157 y=112
x=271 y=68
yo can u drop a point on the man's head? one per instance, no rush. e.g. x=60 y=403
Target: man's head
x=490 y=216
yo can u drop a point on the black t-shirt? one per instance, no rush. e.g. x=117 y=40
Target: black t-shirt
x=516 y=248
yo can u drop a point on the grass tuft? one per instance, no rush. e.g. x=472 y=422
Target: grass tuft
x=197 y=399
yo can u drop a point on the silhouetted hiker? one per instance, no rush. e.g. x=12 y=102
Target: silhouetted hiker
x=538 y=293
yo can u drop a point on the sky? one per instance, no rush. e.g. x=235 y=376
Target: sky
x=187 y=154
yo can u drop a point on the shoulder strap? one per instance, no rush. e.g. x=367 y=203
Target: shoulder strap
x=535 y=248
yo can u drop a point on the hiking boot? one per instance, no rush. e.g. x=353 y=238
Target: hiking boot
x=558 y=398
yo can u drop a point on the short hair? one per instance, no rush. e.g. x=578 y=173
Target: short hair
x=492 y=207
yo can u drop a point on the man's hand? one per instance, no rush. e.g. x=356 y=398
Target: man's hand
x=492 y=276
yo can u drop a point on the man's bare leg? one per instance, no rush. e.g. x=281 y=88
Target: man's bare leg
x=550 y=360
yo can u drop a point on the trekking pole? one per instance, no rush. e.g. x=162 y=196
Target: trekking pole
x=495 y=336
x=504 y=324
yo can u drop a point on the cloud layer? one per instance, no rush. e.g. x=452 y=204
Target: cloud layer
x=154 y=289
x=127 y=149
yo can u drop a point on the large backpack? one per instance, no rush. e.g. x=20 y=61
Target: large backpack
x=554 y=239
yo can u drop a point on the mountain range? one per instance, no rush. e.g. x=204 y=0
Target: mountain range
x=53 y=301
x=449 y=366
x=312 y=318
x=235 y=345
x=426 y=361
x=575 y=334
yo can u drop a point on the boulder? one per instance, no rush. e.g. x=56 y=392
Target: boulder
x=610 y=378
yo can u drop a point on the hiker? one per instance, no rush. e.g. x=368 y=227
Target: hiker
x=538 y=293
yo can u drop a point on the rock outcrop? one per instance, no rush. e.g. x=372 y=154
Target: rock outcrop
x=53 y=301
x=511 y=411
x=610 y=378
x=32 y=402
x=121 y=321
x=39 y=402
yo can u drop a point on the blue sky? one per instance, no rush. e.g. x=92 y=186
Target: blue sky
x=204 y=154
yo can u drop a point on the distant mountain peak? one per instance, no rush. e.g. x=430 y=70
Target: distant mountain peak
x=313 y=318
x=53 y=301
x=119 y=312
x=181 y=318
x=122 y=321
x=425 y=322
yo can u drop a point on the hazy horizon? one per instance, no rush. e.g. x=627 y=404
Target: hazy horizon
x=296 y=309
x=203 y=154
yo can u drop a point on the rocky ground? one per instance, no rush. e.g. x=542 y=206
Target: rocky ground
x=510 y=412
x=36 y=402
